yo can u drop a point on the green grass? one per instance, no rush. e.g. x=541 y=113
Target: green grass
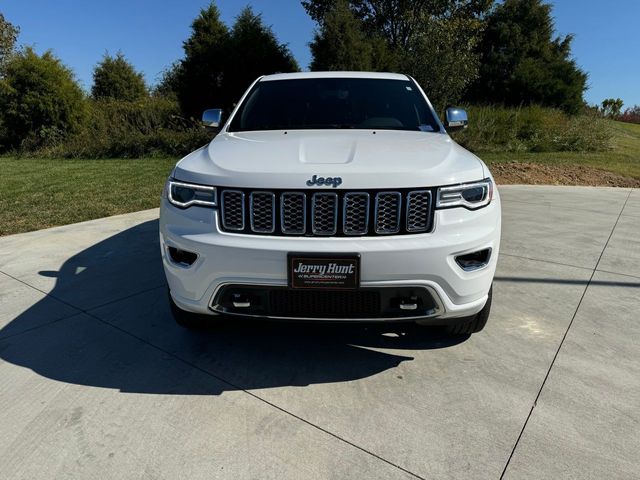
x=39 y=193
x=622 y=159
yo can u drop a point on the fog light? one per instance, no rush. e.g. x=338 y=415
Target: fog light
x=474 y=261
x=182 y=257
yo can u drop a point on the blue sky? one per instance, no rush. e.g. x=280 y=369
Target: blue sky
x=150 y=34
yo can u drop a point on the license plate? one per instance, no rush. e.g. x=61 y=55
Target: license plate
x=309 y=270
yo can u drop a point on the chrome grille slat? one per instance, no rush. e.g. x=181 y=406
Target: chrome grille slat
x=324 y=213
x=387 y=212
x=330 y=213
x=418 y=211
x=232 y=209
x=262 y=212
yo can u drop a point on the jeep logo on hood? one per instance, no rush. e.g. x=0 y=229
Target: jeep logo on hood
x=327 y=181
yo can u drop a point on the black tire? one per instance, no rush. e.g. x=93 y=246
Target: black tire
x=190 y=320
x=473 y=324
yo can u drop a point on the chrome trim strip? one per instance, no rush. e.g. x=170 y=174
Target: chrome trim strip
x=409 y=195
x=304 y=213
x=439 y=310
x=366 y=215
x=335 y=213
x=398 y=195
x=222 y=202
x=273 y=211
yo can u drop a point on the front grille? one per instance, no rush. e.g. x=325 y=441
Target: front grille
x=324 y=304
x=326 y=213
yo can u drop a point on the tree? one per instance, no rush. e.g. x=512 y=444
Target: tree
x=206 y=57
x=254 y=50
x=168 y=85
x=340 y=43
x=38 y=96
x=521 y=62
x=432 y=40
x=447 y=62
x=115 y=77
x=220 y=64
x=8 y=37
x=611 y=107
x=399 y=20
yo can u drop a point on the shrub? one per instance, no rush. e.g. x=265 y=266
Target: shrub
x=115 y=77
x=114 y=128
x=39 y=100
x=532 y=129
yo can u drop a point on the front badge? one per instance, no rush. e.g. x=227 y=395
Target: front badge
x=324 y=181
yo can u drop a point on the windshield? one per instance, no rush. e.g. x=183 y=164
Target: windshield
x=332 y=103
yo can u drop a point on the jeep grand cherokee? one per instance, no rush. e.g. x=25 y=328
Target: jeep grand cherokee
x=332 y=196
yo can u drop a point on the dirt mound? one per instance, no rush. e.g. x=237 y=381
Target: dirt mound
x=542 y=174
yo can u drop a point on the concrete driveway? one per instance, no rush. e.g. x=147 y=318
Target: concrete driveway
x=97 y=382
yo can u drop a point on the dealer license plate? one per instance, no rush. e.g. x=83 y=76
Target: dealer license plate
x=309 y=270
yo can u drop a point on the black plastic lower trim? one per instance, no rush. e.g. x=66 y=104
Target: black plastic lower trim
x=361 y=303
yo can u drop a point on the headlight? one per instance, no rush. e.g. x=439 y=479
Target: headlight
x=469 y=195
x=184 y=195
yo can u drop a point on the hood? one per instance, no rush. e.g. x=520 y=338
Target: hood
x=363 y=159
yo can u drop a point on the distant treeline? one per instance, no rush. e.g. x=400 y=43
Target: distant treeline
x=474 y=51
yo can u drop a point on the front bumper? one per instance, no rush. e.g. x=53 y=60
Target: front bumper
x=424 y=261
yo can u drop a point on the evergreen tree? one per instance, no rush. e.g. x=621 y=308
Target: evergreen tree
x=169 y=82
x=254 y=50
x=522 y=62
x=200 y=77
x=115 y=77
x=220 y=64
x=340 y=43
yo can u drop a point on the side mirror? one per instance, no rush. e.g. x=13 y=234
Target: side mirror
x=455 y=119
x=212 y=117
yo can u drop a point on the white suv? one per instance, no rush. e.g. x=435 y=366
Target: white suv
x=332 y=196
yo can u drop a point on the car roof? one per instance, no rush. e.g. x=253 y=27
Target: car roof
x=308 y=75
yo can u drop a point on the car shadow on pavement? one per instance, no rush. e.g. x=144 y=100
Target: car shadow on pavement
x=123 y=336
